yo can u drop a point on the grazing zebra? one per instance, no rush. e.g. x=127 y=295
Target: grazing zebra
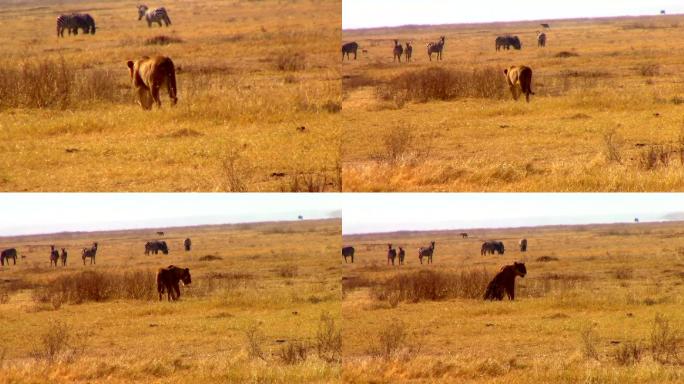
x=426 y=252
x=437 y=48
x=464 y=235
x=398 y=50
x=523 y=245
x=187 y=244
x=7 y=254
x=491 y=247
x=402 y=255
x=391 y=254
x=348 y=252
x=408 y=51
x=89 y=252
x=506 y=42
x=349 y=48
x=541 y=39
x=54 y=256
x=73 y=22
x=153 y=15
x=155 y=247
x=64 y=257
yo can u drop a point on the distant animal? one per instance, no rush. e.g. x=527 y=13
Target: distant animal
x=426 y=252
x=72 y=22
x=160 y=233
x=153 y=15
x=54 y=256
x=523 y=245
x=491 y=247
x=636 y=219
x=398 y=50
x=300 y=217
x=504 y=282
x=391 y=254
x=349 y=48
x=662 y=11
x=544 y=25
x=64 y=257
x=507 y=41
x=149 y=75
x=187 y=244
x=402 y=255
x=541 y=39
x=89 y=253
x=348 y=252
x=436 y=47
x=10 y=253
x=408 y=52
x=463 y=235
x=156 y=246
x=519 y=79
x=168 y=279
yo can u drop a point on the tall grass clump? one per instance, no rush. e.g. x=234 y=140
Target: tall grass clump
x=329 y=339
x=80 y=287
x=432 y=285
x=664 y=341
x=444 y=84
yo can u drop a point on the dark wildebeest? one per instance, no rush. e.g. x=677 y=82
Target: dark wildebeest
x=504 y=282
x=10 y=253
x=426 y=252
x=491 y=247
x=464 y=234
x=72 y=22
x=64 y=257
x=391 y=254
x=349 y=48
x=160 y=233
x=402 y=255
x=544 y=25
x=523 y=245
x=408 y=52
x=187 y=244
x=437 y=48
x=168 y=280
x=54 y=256
x=507 y=41
x=89 y=253
x=398 y=51
x=155 y=247
x=541 y=39
x=348 y=252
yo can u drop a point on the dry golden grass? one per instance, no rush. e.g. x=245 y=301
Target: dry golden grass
x=594 y=77
x=83 y=332
x=597 y=305
x=250 y=73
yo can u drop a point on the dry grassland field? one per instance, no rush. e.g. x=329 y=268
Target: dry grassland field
x=263 y=307
x=607 y=114
x=599 y=304
x=250 y=74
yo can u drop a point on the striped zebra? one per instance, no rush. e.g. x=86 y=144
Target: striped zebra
x=541 y=39
x=398 y=51
x=89 y=253
x=437 y=48
x=402 y=255
x=426 y=252
x=391 y=254
x=71 y=23
x=408 y=52
x=54 y=256
x=153 y=15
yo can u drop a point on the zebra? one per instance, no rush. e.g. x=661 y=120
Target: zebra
x=7 y=254
x=402 y=255
x=54 y=256
x=523 y=245
x=348 y=252
x=64 y=257
x=464 y=235
x=349 y=48
x=73 y=22
x=391 y=254
x=491 y=247
x=541 y=39
x=437 y=48
x=426 y=252
x=408 y=51
x=153 y=15
x=398 y=50
x=506 y=42
x=187 y=244
x=89 y=252
x=156 y=246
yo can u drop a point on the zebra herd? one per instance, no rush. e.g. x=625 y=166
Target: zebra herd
x=488 y=247
x=74 y=21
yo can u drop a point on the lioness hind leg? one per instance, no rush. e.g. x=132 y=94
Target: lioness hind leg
x=155 y=95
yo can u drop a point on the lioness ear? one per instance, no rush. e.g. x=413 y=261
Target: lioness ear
x=130 y=64
x=505 y=71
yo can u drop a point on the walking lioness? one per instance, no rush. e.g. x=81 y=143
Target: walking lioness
x=149 y=75
x=519 y=78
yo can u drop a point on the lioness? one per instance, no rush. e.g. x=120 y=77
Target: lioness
x=149 y=75
x=519 y=78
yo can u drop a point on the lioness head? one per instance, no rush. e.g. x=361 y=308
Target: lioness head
x=520 y=269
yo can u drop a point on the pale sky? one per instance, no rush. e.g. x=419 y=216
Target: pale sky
x=367 y=213
x=379 y=13
x=32 y=213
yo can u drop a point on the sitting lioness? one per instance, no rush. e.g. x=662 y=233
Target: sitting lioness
x=149 y=75
x=519 y=78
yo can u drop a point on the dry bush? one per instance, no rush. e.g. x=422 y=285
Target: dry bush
x=350 y=283
x=288 y=61
x=623 y=273
x=57 y=343
x=613 y=143
x=329 y=339
x=664 y=341
x=589 y=339
x=628 y=353
x=350 y=82
x=162 y=40
x=210 y=258
x=546 y=259
x=80 y=287
x=649 y=70
x=432 y=285
x=287 y=271
x=293 y=353
x=4 y=297
x=308 y=182
x=390 y=340
x=254 y=338
x=444 y=84
x=654 y=156
x=566 y=54
x=397 y=143
x=332 y=106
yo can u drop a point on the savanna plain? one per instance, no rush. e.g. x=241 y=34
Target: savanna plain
x=606 y=114
x=263 y=307
x=258 y=89
x=599 y=304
